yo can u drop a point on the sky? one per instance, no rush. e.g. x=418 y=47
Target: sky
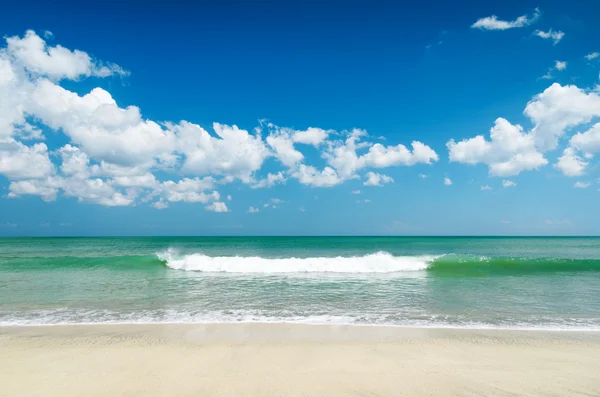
x=299 y=118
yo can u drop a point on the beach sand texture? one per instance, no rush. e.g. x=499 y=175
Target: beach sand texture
x=294 y=360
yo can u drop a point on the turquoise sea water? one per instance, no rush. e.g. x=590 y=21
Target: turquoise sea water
x=490 y=282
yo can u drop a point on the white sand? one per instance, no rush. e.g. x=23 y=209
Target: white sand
x=294 y=360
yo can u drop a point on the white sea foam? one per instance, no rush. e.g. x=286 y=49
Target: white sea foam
x=66 y=316
x=380 y=262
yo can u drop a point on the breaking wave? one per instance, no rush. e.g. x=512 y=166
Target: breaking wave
x=380 y=262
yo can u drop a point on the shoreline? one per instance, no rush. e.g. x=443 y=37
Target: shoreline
x=315 y=324
x=253 y=359
x=249 y=331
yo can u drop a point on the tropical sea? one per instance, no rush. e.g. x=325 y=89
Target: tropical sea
x=463 y=282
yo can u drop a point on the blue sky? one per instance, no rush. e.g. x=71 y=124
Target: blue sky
x=118 y=137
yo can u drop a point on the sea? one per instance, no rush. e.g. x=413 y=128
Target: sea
x=451 y=282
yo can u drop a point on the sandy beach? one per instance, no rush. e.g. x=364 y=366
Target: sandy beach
x=294 y=360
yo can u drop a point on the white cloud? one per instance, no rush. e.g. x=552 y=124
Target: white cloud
x=252 y=210
x=188 y=190
x=217 y=206
x=509 y=152
x=553 y=112
x=284 y=149
x=493 y=23
x=46 y=189
x=56 y=62
x=270 y=181
x=146 y=180
x=486 y=187
x=558 y=108
x=380 y=156
x=422 y=176
x=507 y=183
x=235 y=152
x=588 y=141
x=447 y=181
x=560 y=65
x=99 y=126
x=343 y=157
x=113 y=152
x=95 y=191
x=367 y=200
x=311 y=136
x=581 y=185
x=356 y=192
x=504 y=222
x=308 y=175
x=160 y=204
x=551 y=35
x=229 y=197
x=74 y=162
x=592 y=55
x=570 y=163
x=18 y=161
x=375 y=179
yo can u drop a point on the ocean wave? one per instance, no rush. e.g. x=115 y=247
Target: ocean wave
x=376 y=263
x=380 y=262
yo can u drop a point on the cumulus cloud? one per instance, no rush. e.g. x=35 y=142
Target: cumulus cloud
x=512 y=150
x=375 y=179
x=308 y=175
x=486 y=187
x=507 y=183
x=493 y=23
x=283 y=146
x=558 y=108
x=356 y=192
x=189 y=190
x=32 y=52
x=588 y=141
x=508 y=152
x=217 y=206
x=160 y=204
x=252 y=210
x=447 y=181
x=550 y=35
x=582 y=147
x=18 y=161
x=101 y=128
x=343 y=156
x=47 y=189
x=113 y=153
x=570 y=163
x=92 y=190
x=270 y=181
x=234 y=151
x=311 y=136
